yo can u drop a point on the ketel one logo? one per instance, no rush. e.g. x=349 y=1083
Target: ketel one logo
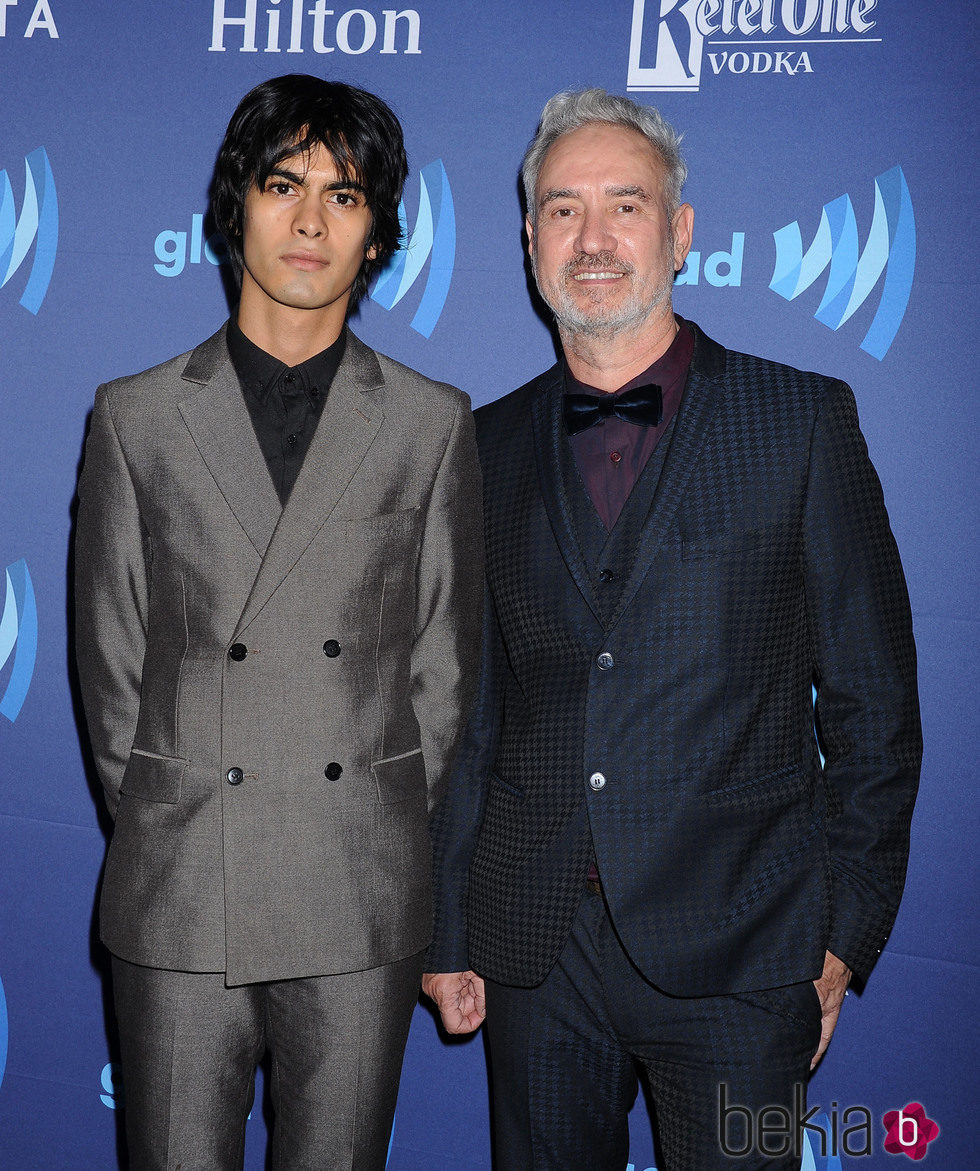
x=434 y=236
x=18 y=636
x=38 y=221
x=890 y=248
x=668 y=37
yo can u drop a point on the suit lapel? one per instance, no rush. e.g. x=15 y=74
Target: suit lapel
x=351 y=418
x=552 y=453
x=220 y=426
x=702 y=399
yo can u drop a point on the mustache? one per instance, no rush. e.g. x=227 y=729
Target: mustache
x=598 y=262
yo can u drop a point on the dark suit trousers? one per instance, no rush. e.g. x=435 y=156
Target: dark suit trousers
x=564 y=1057
x=190 y=1046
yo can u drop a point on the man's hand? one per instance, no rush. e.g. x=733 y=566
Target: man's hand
x=830 y=988
x=459 y=998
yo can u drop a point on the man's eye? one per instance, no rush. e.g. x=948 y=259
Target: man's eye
x=280 y=187
x=627 y=207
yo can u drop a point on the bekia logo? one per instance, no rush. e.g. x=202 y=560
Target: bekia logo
x=432 y=240
x=819 y=1138
x=670 y=40
x=18 y=635
x=854 y=272
x=38 y=221
x=909 y=1131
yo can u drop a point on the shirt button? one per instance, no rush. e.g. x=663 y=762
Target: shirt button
x=332 y=771
x=237 y=651
x=596 y=782
x=605 y=661
x=289 y=378
x=331 y=648
x=291 y=440
x=235 y=776
x=606 y=575
x=615 y=456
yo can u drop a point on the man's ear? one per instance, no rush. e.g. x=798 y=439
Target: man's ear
x=683 y=228
x=529 y=228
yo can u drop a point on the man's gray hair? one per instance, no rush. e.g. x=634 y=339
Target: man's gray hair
x=570 y=111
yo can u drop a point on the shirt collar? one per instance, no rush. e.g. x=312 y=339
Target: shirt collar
x=260 y=373
x=669 y=369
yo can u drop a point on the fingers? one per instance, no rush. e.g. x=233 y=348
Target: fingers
x=459 y=996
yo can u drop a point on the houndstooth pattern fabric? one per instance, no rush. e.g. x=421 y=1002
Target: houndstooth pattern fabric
x=729 y=857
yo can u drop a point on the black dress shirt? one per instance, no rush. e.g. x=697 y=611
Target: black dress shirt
x=284 y=402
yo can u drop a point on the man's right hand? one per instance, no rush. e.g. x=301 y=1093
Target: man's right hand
x=459 y=996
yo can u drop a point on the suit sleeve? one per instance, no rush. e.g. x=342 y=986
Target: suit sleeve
x=111 y=599
x=867 y=709
x=456 y=823
x=445 y=654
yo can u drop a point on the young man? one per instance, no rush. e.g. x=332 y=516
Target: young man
x=278 y=589
x=642 y=859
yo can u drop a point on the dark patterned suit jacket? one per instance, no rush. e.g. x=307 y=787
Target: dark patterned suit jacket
x=731 y=857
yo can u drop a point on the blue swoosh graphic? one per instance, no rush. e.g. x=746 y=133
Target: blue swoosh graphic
x=18 y=629
x=889 y=249
x=434 y=239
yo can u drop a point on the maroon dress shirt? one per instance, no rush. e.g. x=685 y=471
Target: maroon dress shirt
x=612 y=453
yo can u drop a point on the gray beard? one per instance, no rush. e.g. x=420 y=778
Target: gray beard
x=574 y=321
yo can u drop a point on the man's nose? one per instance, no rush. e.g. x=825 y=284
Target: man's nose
x=595 y=233
x=309 y=219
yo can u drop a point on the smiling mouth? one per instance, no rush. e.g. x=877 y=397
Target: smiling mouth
x=597 y=276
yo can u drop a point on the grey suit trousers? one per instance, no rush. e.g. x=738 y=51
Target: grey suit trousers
x=190 y=1046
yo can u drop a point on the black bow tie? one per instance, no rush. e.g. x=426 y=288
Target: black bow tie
x=643 y=406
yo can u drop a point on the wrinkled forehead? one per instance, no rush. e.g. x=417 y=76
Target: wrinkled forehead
x=600 y=156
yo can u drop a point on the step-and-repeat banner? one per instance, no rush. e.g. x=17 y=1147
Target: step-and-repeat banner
x=831 y=146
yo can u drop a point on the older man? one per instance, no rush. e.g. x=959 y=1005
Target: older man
x=643 y=860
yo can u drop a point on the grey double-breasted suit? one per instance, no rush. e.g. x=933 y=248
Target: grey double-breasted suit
x=274 y=695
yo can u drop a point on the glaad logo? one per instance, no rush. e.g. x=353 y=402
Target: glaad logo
x=18 y=628
x=434 y=235
x=38 y=219
x=112 y=1095
x=172 y=251
x=668 y=37
x=852 y=276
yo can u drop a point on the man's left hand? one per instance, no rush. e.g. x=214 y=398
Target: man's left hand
x=830 y=988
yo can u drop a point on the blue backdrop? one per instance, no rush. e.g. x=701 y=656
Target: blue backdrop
x=832 y=158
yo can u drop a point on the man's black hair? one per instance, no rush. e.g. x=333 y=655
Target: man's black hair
x=293 y=115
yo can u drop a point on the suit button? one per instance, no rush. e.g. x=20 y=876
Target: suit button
x=235 y=776
x=605 y=661
x=606 y=575
x=237 y=651
x=331 y=648
x=332 y=771
x=596 y=782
